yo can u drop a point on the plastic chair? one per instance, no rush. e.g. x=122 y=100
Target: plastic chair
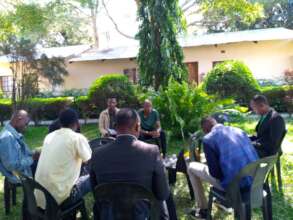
x=123 y=196
x=278 y=165
x=256 y=197
x=98 y=142
x=9 y=193
x=52 y=210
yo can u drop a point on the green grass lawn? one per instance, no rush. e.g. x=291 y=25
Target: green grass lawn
x=282 y=203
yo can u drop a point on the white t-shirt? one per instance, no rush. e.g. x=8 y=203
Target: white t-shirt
x=60 y=162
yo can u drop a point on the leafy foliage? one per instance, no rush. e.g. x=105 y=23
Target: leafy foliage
x=277 y=13
x=231 y=79
x=181 y=107
x=115 y=86
x=229 y=15
x=160 y=57
x=5 y=109
x=280 y=97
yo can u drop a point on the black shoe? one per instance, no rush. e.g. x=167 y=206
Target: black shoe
x=199 y=214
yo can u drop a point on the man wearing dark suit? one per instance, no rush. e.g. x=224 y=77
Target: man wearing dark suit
x=129 y=160
x=270 y=128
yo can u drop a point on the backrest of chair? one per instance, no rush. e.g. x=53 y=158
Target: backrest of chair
x=29 y=186
x=100 y=142
x=258 y=170
x=281 y=140
x=123 y=196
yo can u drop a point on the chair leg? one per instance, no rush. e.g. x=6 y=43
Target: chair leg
x=191 y=193
x=279 y=176
x=6 y=196
x=210 y=206
x=13 y=191
x=83 y=212
x=267 y=204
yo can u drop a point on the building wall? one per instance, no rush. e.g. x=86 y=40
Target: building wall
x=82 y=74
x=266 y=59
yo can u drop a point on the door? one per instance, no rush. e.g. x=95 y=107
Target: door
x=192 y=72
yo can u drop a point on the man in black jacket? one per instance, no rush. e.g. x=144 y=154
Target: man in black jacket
x=129 y=160
x=270 y=128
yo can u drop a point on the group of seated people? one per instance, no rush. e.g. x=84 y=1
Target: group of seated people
x=129 y=158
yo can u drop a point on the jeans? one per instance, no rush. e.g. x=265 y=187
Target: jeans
x=79 y=190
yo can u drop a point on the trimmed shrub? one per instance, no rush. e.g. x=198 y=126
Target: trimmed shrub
x=181 y=107
x=231 y=79
x=279 y=97
x=5 y=109
x=85 y=108
x=116 y=86
x=46 y=108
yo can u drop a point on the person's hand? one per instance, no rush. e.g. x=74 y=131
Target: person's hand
x=155 y=134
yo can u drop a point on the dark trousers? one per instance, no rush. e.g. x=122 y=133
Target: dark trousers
x=160 y=141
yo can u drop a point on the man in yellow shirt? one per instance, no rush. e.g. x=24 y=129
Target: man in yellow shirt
x=60 y=162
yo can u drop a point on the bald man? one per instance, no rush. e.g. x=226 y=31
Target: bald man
x=15 y=156
x=151 y=126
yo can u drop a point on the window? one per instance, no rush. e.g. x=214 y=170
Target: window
x=131 y=74
x=6 y=84
x=216 y=62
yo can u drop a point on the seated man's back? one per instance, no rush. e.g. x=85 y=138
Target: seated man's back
x=59 y=165
x=233 y=149
x=130 y=160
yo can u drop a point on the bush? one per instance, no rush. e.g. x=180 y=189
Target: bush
x=1 y=94
x=279 y=97
x=231 y=79
x=181 y=107
x=113 y=85
x=85 y=108
x=5 y=109
x=46 y=108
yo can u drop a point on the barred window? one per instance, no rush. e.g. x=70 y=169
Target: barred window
x=6 y=83
x=131 y=74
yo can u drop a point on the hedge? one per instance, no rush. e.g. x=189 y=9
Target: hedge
x=279 y=97
x=38 y=108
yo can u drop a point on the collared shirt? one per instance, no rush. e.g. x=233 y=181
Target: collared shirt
x=104 y=121
x=60 y=162
x=15 y=156
x=148 y=123
x=228 y=150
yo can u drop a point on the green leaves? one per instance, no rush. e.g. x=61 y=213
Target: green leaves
x=160 y=56
x=230 y=15
x=231 y=79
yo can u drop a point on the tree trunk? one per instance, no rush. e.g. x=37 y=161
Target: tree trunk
x=95 y=29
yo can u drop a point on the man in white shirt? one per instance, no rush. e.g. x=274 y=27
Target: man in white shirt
x=60 y=162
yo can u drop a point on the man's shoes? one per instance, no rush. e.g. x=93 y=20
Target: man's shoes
x=199 y=214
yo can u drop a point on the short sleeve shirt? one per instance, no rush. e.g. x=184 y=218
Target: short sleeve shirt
x=60 y=162
x=149 y=123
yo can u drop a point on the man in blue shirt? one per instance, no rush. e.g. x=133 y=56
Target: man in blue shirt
x=227 y=151
x=15 y=156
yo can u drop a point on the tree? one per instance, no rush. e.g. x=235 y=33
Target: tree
x=229 y=15
x=160 y=57
x=277 y=13
x=28 y=68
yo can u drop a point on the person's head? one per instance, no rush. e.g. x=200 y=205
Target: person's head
x=19 y=120
x=207 y=124
x=69 y=119
x=147 y=106
x=128 y=122
x=260 y=105
x=111 y=103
